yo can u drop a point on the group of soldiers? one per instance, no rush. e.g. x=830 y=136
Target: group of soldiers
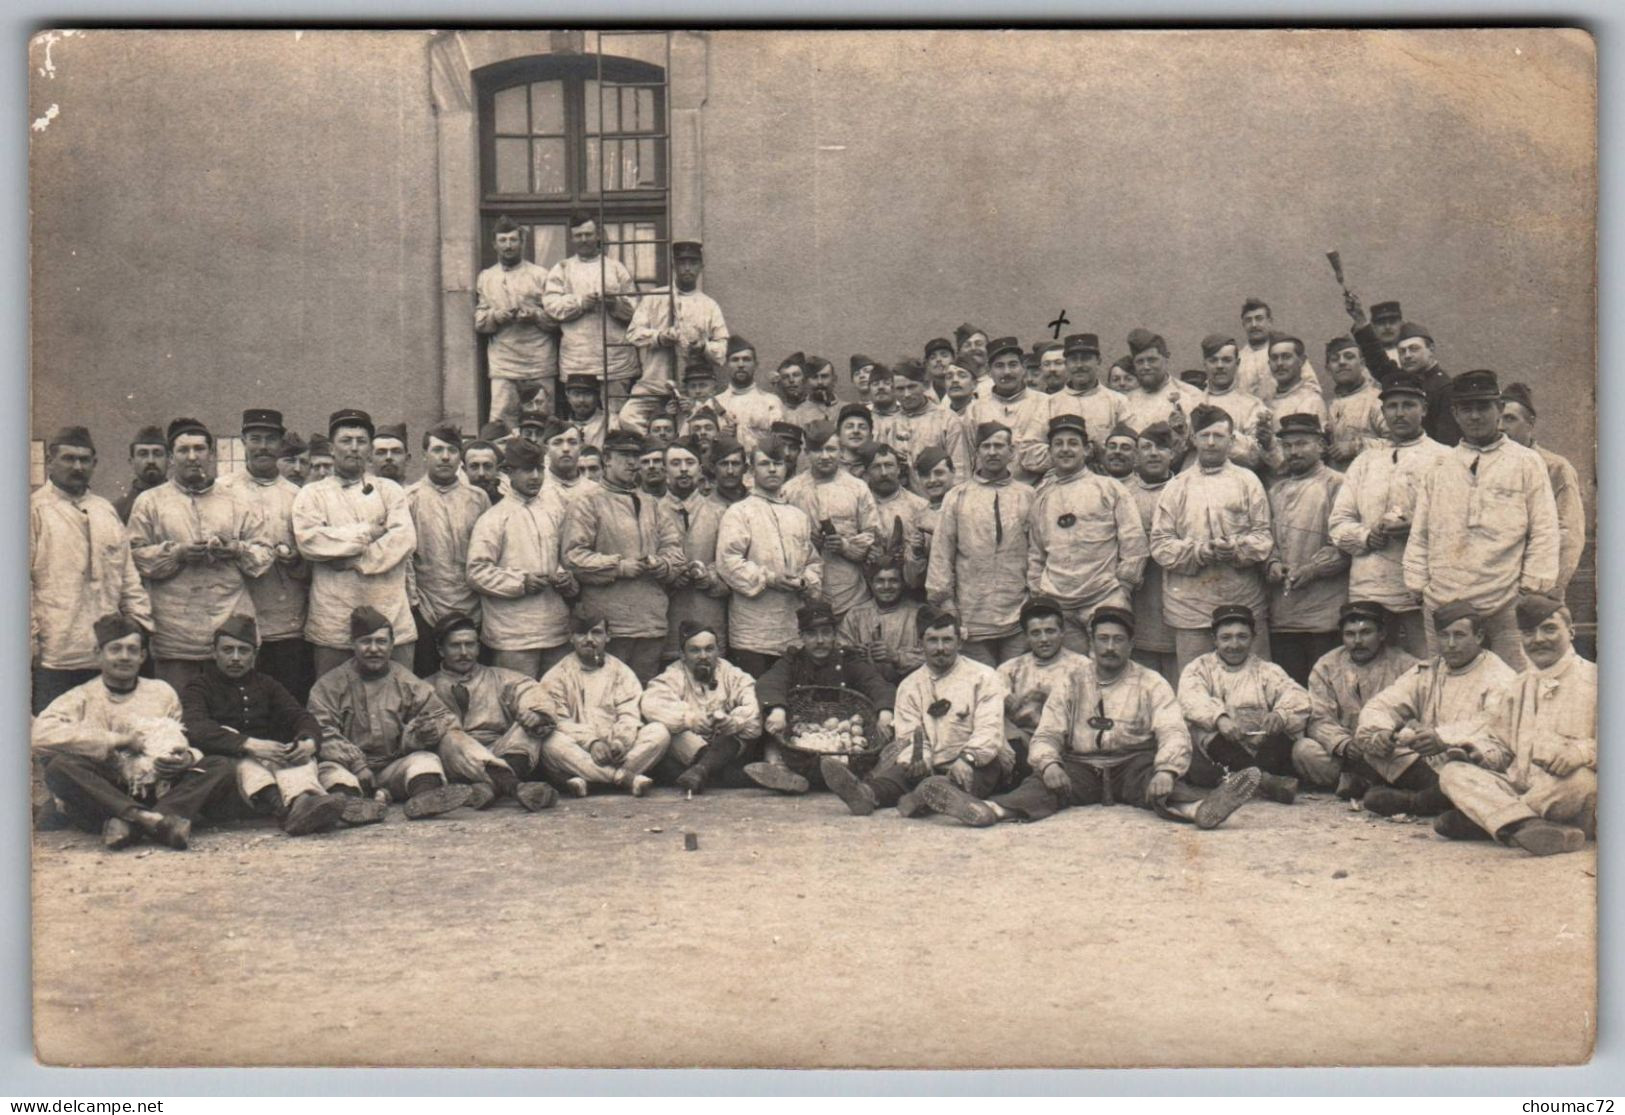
x=1050 y=584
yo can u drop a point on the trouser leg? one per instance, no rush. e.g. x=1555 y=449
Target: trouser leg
x=641 y=654
x=1570 y=800
x=1315 y=765
x=425 y=652
x=563 y=759
x=1296 y=652
x=466 y=759
x=51 y=684
x=505 y=401
x=527 y=662
x=889 y=783
x=1488 y=799
x=289 y=661
x=647 y=749
x=1190 y=643
x=1409 y=632
x=754 y=663
x=1075 y=630
x=521 y=750
x=398 y=777
x=329 y=658
x=88 y=796
x=1164 y=662
x=177 y=672
x=210 y=783
x=1501 y=636
x=548 y=657
x=404 y=653
x=1033 y=801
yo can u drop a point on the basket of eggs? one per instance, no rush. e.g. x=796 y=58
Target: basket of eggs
x=832 y=720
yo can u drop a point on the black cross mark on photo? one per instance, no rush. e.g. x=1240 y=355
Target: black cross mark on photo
x=1061 y=320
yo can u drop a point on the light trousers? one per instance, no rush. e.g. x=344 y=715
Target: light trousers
x=564 y=757
x=1493 y=802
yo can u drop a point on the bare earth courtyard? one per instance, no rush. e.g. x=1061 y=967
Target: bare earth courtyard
x=797 y=935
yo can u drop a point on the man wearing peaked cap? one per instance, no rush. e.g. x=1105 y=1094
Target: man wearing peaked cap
x=1251 y=417
x=626 y=550
x=583 y=401
x=1100 y=407
x=1307 y=574
x=149 y=461
x=1244 y=712
x=515 y=560
x=846 y=521
x=1545 y=799
x=1414 y=353
x=978 y=562
x=666 y=343
x=1012 y=403
x=1086 y=547
x=1110 y=731
x=405 y=741
x=1386 y=320
x=522 y=346
x=1119 y=450
x=321 y=458
x=858 y=369
x=972 y=341
x=1484 y=548
x=1354 y=417
x=1340 y=684
x=293 y=459
x=1372 y=515
x=358 y=537
x=80 y=736
x=281 y=592
x=236 y=710
x=821 y=381
x=1518 y=424
x=818 y=660
x=81 y=569
x=198 y=544
x=750 y=408
x=1158 y=396
x=1445 y=709
x=1051 y=367
x=917 y=425
x=1211 y=535
x=444 y=510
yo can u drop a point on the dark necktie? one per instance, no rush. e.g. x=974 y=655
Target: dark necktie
x=459 y=694
x=682 y=513
x=998 y=523
x=1472 y=469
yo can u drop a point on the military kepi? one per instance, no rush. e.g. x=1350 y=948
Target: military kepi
x=1233 y=613
x=1481 y=383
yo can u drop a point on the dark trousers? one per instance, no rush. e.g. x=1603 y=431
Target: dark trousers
x=1126 y=782
x=89 y=797
x=1274 y=756
x=292 y=663
x=1296 y=652
x=51 y=684
x=642 y=655
x=426 y=652
x=891 y=782
x=753 y=662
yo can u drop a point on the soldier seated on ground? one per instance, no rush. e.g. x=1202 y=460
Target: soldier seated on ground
x=818 y=660
x=1244 y=712
x=707 y=706
x=1439 y=710
x=502 y=710
x=118 y=760
x=1540 y=794
x=1110 y=731
x=1029 y=678
x=600 y=737
x=949 y=720
x=234 y=710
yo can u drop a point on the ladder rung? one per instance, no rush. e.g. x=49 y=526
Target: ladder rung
x=601 y=136
x=610 y=83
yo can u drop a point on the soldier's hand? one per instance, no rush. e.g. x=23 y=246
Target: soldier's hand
x=1376 y=538
x=1377 y=745
x=918 y=770
x=1356 y=311
x=303 y=751
x=962 y=773
x=536 y=722
x=777 y=723
x=174 y=764
x=1056 y=779
x=630 y=568
x=601 y=751
x=1275 y=724
x=1276 y=573
x=1227 y=728
x=266 y=751
x=1427 y=742
x=1564 y=761
x=1160 y=786
x=342 y=752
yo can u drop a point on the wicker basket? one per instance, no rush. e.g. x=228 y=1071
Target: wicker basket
x=813 y=704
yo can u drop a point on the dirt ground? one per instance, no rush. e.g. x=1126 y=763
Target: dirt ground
x=797 y=935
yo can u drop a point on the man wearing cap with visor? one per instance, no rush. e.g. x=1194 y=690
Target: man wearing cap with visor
x=1486 y=521
x=523 y=346
x=80 y=569
x=280 y=593
x=584 y=408
x=1307 y=574
x=665 y=345
x=979 y=554
x=236 y=710
x=1544 y=799
x=625 y=550
x=1100 y=407
x=198 y=544
x=1111 y=732
x=1445 y=708
x=1414 y=353
x=1211 y=534
x=293 y=459
x=1086 y=547
x=938 y=355
x=358 y=535
x=1244 y=712
x=1012 y=404
x=1339 y=686
x=1372 y=514
x=1354 y=418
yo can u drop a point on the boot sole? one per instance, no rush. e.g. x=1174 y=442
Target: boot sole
x=536 y=796
x=480 y=795
x=946 y=798
x=771 y=776
x=1235 y=791
x=912 y=804
x=441 y=799
x=117 y=838
x=1546 y=839
x=846 y=786
x=325 y=814
x=362 y=811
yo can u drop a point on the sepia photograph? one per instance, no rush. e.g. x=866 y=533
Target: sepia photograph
x=813 y=549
